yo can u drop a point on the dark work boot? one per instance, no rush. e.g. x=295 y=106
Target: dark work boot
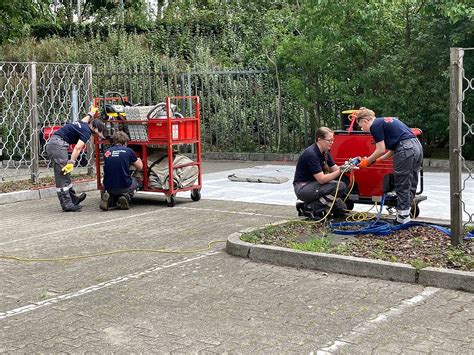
x=105 y=202
x=66 y=202
x=300 y=208
x=77 y=199
x=124 y=202
x=339 y=208
x=315 y=210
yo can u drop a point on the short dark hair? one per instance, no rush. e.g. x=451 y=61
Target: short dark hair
x=120 y=137
x=97 y=123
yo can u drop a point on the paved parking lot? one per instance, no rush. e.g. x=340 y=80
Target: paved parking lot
x=202 y=301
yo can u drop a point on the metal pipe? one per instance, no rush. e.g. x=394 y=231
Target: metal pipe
x=33 y=106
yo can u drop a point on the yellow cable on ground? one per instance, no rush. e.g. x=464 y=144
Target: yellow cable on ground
x=353 y=216
x=119 y=251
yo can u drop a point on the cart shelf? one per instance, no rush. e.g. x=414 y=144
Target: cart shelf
x=148 y=134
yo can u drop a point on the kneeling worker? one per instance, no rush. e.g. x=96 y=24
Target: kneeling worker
x=315 y=181
x=119 y=185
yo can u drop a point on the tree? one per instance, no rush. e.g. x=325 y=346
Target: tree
x=17 y=17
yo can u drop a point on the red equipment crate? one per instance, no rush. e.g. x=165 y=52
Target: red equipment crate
x=181 y=128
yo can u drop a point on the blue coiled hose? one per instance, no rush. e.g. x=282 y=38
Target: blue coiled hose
x=384 y=228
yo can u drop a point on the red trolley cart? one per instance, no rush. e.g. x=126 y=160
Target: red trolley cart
x=152 y=129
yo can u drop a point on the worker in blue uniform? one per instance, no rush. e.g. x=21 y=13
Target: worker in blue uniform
x=119 y=184
x=394 y=138
x=315 y=181
x=77 y=133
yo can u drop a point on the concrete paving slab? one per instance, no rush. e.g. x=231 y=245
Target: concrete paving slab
x=208 y=301
x=190 y=301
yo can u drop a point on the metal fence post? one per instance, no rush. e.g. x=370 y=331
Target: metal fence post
x=33 y=109
x=90 y=146
x=455 y=134
x=75 y=104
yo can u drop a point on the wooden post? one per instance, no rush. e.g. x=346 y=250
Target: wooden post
x=455 y=135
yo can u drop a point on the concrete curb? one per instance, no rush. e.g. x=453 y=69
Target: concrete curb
x=26 y=195
x=362 y=267
x=443 y=278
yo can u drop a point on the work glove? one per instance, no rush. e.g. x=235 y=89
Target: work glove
x=93 y=112
x=68 y=167
x=364 y=163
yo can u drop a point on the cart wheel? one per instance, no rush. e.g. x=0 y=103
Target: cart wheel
x=415 y=210
x=171 y=200
x=196 y=195
x=350 y=204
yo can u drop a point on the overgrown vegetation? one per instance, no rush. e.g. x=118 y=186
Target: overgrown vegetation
x=418 y=246
x=324 y=55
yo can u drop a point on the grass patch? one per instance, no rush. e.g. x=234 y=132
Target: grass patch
x=459 y=258
x=250 y=238
x=321 y=245
x=419 y=264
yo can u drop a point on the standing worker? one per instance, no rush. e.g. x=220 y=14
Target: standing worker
x=393 y=135
x=119 y=185
x=77 y=133
x=315 y=177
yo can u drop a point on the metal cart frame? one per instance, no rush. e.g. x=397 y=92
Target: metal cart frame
x=165 y=132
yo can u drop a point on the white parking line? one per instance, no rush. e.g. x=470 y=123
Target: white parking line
x=65 y=231
x=109 y=221
x=34 y=306
x=364 y=328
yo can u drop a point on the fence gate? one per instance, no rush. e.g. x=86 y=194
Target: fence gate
x=35 y=96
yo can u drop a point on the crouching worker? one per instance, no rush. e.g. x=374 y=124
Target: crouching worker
x=119 y=185
x=77 y=133
x=315 y=181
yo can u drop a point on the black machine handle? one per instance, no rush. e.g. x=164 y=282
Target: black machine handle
x=116 y=93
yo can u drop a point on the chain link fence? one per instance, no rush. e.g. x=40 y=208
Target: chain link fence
x=35 y=99
x=241 y=111
x=461 y=128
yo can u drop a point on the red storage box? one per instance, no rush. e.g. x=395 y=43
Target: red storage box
x=180 y=129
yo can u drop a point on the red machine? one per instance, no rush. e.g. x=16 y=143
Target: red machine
x=371 y=183
x=150 y=132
